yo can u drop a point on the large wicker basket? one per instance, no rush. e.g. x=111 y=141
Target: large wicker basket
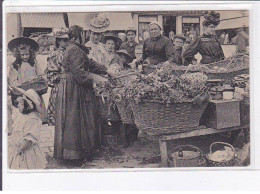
x=157 y=118
x=106 y=111
x=125 y=111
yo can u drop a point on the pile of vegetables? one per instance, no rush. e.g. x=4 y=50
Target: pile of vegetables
x=231 y=64
x=164 y=87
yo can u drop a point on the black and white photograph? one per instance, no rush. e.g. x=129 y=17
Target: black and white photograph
x=129 y=89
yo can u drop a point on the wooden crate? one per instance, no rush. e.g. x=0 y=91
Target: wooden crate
x=222 y=114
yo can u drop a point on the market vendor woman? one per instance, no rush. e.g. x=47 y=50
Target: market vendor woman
x=207 y=44
x=157 y=48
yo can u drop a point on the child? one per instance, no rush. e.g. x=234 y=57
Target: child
x=137 y=62
x=178 y=44
x=25 y=67
x=124 y=59
x=23 y=149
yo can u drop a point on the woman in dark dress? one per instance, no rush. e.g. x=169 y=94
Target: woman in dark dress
x=76 y=121
x=157 y=48
x=207 y=44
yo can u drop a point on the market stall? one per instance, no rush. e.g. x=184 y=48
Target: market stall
x=174 y=102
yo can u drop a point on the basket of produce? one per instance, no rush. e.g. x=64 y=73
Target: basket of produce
x=171 y=105
x=224 y=154
x=186 y=156
x=229 y=68
x=38 y=84
x=123 y=105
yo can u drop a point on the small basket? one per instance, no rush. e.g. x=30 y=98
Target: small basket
x=222 y=163
x=232 y=70
x=191 y=157
x=38 y=84
x=125 y=111
x=156 y=118
x=106 y=111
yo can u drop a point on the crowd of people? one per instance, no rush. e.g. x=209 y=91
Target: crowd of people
x=72 y=106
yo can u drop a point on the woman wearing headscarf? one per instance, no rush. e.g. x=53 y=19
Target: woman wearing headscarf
x=76 y=124
x=157 y=48
x=207 y=44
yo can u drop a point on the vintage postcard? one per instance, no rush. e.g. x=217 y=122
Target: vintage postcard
x=127 y=89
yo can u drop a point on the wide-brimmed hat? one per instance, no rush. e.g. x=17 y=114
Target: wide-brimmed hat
x=23 y=40
x=33 y=96
x=112 y=36
x=179 y=36
x=130 y=29
x=99 y=24
x=129 y=58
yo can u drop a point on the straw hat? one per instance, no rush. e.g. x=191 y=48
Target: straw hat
x=99 y=24
x=110 y=36
x=33 y=96
x=129 y=59
x=23 y=40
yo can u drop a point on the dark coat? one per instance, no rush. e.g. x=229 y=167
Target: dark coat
x=209 y=48
x=76 y=112
x=158 y=50
x=178 y=56
x=130 y=49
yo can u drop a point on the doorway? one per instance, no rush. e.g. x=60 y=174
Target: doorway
x=169 y=24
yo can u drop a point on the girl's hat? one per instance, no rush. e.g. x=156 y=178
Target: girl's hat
x=111 y=36
x=156 y=23
x=129 y=59
x=179 y=36
x=25 y=41
x=33 y=96
x=99 y=24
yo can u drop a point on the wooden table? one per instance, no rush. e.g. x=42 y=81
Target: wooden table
x=202 y=130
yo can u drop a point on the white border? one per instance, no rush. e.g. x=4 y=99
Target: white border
x=12 y=179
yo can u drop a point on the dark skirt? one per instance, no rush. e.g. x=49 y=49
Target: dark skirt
x=77 y=127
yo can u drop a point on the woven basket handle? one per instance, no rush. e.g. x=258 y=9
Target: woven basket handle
x=190 y=66
x=223 y=143
x=180 y=147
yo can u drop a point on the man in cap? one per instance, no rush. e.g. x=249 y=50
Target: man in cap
x=130 y=45
x=157 y=48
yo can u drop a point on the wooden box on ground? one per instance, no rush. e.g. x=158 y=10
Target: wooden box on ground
x=222 y=114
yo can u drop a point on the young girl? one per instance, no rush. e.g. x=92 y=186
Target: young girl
x=25 y=67
x=23 y=148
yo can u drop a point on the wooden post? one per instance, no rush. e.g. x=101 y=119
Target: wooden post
x=164 y=154
x=19 y=25
x=179 y=25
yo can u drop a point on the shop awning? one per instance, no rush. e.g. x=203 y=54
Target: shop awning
x=118 y=21
x=42 y=20
x=233 y=23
